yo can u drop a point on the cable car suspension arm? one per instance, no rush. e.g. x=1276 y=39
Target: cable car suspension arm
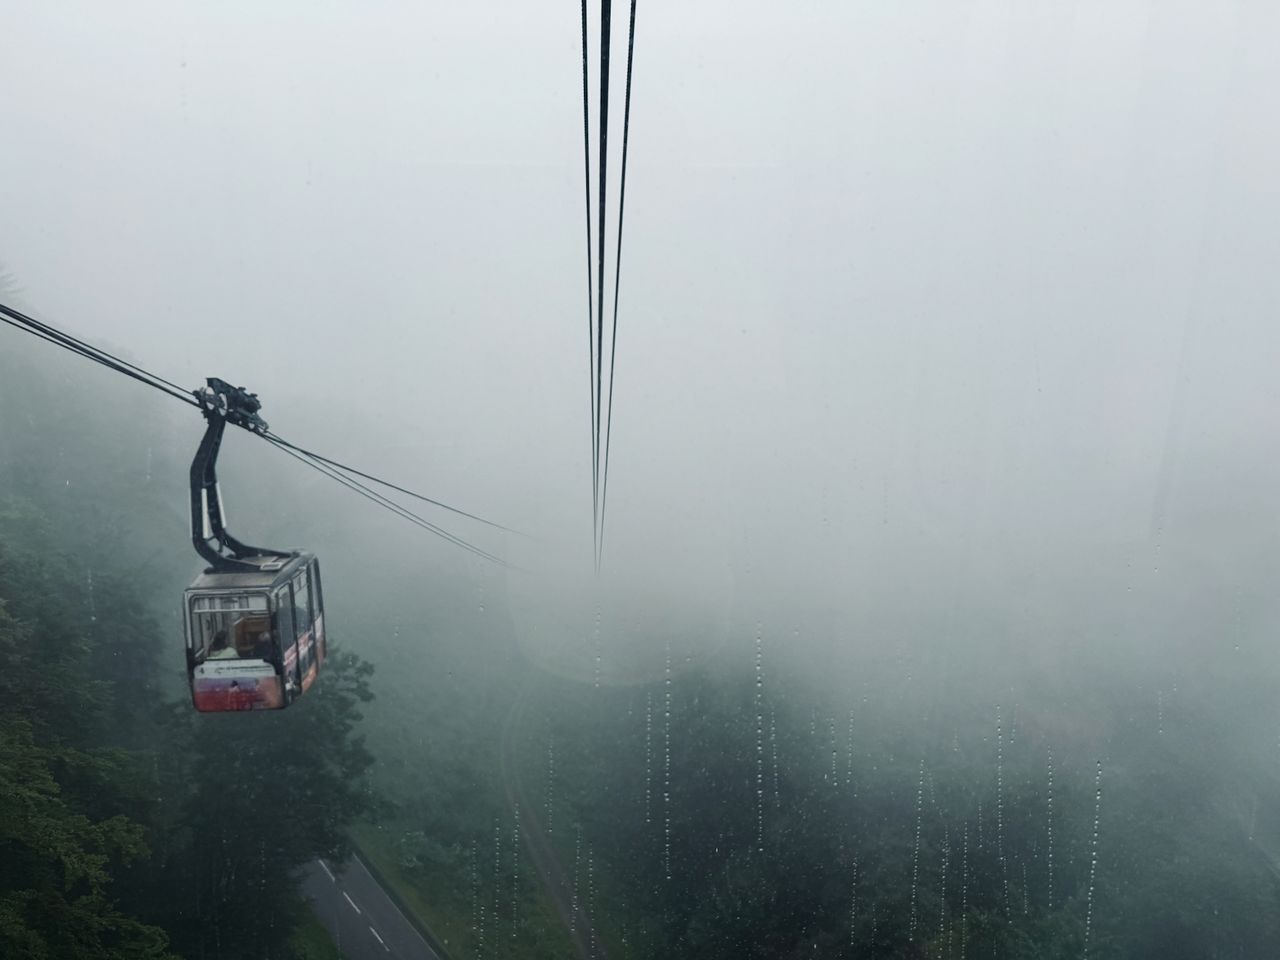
x=221 y=404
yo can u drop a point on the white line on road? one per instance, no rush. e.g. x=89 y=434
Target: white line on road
x=384 y=946
x=327 y=870
x=406 y=920
x=350 y=901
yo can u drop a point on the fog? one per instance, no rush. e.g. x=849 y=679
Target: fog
x=935 y=319
x=945 y=395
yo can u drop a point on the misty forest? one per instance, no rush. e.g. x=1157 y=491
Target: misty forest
x=914 y=595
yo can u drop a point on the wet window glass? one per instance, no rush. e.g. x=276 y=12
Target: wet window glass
x=793 y=480
x=301 y=603
x=285 y=623
x=221 y=625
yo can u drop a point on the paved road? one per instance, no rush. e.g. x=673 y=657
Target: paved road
x=360 y=917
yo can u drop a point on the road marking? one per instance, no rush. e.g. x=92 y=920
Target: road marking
x=384 y=946
x=327 y=870
x=350 y=901
x=407 y=922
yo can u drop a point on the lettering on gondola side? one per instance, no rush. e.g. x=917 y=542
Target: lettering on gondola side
x=219 y=686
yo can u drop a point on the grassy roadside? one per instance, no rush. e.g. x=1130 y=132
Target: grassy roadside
x=432 y=898
x=442 y=905
x=311 y=941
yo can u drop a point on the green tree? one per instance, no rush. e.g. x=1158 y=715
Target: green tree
x=194 y=825
x=267 y=793
x=55 y=862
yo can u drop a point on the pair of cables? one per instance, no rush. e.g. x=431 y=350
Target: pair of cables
x=348 y=476
x=602 y=404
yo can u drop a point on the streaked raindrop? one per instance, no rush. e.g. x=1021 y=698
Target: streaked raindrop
x=1093 y=857
x=1050 y=825
x=1004 y=865
x=915 y=856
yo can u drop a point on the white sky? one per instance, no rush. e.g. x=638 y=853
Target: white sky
x=917 y=298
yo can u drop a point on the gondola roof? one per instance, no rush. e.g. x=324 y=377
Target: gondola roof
x=272 y=570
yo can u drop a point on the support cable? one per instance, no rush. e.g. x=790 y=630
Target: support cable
x=387 y=503
x=392 y=486
x=52 y=335
x=330 y=467
x=617 y=280
x=606 y=19
x=591 y=345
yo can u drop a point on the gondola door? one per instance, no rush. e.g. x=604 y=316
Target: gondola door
x=287 y=643
x=304 y=616
x=317 y=605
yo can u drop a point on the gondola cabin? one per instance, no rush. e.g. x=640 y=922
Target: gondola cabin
x=255 y=638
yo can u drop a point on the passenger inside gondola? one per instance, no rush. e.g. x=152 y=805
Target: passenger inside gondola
x=220 y=649
x=261 y=645
x=253 y=638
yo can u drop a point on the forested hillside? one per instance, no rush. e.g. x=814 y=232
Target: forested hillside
x=725 y=813
x=128 y=826
x=914 y=595
x=681 y=799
